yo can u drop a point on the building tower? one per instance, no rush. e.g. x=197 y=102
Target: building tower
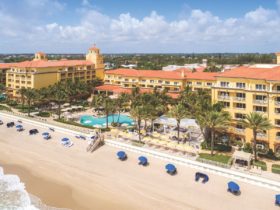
x=277 y=57
x=96 y=58
x=40 y=56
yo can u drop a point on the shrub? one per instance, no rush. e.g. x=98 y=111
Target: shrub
x=105 y=129
x=217 y=147
x=276 y=168
x=269 y=155
x=248 y=148
x=12 y=103
x=5 y=108
x=217 y=157
x=138 y=143
x=44 y=114
x=261 y=164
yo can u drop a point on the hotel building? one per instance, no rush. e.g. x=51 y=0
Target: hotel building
x=41 y=72
x=123 y=80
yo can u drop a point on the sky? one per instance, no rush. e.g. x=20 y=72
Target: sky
x=140 y=26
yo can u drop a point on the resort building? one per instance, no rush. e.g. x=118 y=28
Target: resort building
x=4 y=67
x=123 y=80
x=251 y=89
x=41 y=72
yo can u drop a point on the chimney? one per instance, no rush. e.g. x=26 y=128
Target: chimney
x=277 y=57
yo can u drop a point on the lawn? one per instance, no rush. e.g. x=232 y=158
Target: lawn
x=261 y=164
x=276 y=168
x=217 y=157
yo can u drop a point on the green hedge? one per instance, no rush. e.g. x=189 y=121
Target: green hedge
x=5 y=108
x=44 y=114
x=261 y=164
x=73 y=123
x=275 y=168
x=217 y=157
x=217 y=147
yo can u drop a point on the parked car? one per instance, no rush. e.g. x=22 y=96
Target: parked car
x=10 y=124
x=33 y=131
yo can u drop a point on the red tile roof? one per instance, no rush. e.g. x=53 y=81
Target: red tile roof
x=51 y=63
x=253 y=73
x=202 y=75
x=6 y=65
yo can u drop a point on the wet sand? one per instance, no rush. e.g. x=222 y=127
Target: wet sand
x=72 y=178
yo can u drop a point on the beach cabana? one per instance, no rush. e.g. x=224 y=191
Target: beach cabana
x=277 y=199
x=143 y=160
x=242 y=159
x=122 y=155
x=170 y=169
x=46 y=135
x=233 y=187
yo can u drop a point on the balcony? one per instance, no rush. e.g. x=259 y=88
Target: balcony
x=239 y=99
x=239 y=130
x=221 y=97
x=261 y=135
x=260 y=102
x=277 y=103
x=277 y=137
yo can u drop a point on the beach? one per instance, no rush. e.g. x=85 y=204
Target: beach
x=72 y=178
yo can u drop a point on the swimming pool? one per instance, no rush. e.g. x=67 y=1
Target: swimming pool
x=101 y=121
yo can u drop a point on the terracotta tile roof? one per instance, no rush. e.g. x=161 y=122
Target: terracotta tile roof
x=146 y=73
x=253 y=73
x=202 y=75
x=198 y=69
x=51 y=63
x=6 y=65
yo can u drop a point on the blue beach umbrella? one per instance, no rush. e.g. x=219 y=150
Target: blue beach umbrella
x=143 y=160
x=18 y=126
x=65 y=139
x=170 y=168
x=121 y=155
x=233 y=187
x=277 y=199
x=45 y=134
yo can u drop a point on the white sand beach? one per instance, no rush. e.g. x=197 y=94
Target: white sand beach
x=72 y=178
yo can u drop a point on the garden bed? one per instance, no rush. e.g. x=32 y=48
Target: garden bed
x=261 y=164
x=276 y=168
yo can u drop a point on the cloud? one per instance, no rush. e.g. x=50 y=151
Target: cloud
x=197 y=31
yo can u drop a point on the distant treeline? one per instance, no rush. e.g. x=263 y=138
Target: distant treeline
x=157 y=61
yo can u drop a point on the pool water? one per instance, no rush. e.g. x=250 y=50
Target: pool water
x=101 y=121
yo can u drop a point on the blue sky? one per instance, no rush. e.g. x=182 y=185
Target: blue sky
x=128 y=26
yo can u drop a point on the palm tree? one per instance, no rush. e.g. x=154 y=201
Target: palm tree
x=22 y=96
x=120 y=102
x=178 y=112
x=59 y=95
x=30 y=95
x=137 y=112
x=216 y=120
x=258 y=123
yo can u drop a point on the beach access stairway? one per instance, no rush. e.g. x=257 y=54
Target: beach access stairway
x=95 y=144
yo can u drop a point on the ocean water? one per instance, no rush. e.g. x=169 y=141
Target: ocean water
x=13 y=195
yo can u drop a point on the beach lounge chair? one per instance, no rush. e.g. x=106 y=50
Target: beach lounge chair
x=233 y=188
x=171 y=169
x=143 y=161
x=122 y=155
x=277 y=200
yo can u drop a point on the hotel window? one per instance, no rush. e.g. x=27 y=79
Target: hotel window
x=278 y=135
x=119 y=77
x=176 y=83
x=260 y=87
x=133 y=80
x=160 y=81
x=198 y=83
x=225 y=104
x=238 y=126
x=277 y=110
x=209 y=84
x=278 y=88
x=143 y=80
x=126 y=80
x=277 y=122
x=260 y=98
x=176 y=89
x=224 y=94
x=260 y=109
x=151 y=81
x=143 y=86
x=189 y=83
x=240 y=95
x=224 y=84
x=240 y=106
x=239 y=116
x=167 y=82
x=240 y=85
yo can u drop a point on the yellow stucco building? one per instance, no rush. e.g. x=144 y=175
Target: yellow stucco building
x=123 y=80
x=41 y=72
x=251 y=89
